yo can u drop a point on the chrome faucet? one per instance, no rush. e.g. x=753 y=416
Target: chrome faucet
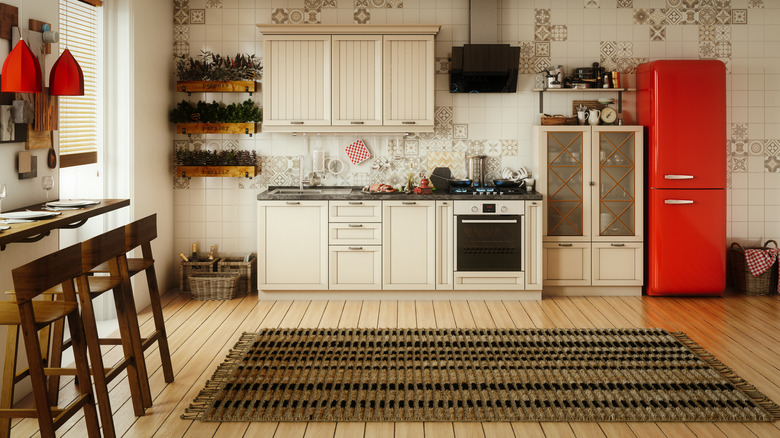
x=300 y=174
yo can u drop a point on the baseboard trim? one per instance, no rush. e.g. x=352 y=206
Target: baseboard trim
x=372 y=295
x=592 y=291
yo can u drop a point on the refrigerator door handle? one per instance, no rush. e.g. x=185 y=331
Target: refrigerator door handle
x=678 y=176
x=678 y=201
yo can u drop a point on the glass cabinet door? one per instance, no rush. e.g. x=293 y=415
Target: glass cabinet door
x=565 y=188
x=617 y=167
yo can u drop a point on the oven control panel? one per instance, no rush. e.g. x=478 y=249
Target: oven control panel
x=489 y=207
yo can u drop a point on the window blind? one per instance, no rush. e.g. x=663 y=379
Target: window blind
x=79 y=116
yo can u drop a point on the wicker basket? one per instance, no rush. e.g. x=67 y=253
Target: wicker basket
x=744 y=281
x=247 y=271
x=188 y=268
x=214 y=285
x=559 y=119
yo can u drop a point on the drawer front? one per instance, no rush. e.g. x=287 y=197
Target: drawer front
x=475 y=280
x=566 y=264
x=355 y=211
x=617 y=264
x=369 y=233
x=355 y=267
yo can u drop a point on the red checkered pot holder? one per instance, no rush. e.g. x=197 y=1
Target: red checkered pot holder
x=759 y=260
x=357 y=152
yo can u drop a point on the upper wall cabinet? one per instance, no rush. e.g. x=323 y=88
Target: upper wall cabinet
x=348 y=78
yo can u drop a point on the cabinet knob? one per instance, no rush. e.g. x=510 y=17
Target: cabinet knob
x=618 y=244
x=356 y=122
x=591 y=183
x=292 y=203
x=355 y=203
x=296 y=123
x=409 y=203
x=355 y=225
x=355 y=248
x=565 y=244
x=408 y=122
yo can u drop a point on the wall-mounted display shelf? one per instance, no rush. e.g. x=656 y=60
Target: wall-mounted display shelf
x=190 y=87
x=619 y=91
x=216 y=171
x=216 y=128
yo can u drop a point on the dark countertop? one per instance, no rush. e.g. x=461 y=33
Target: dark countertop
x=357 y=195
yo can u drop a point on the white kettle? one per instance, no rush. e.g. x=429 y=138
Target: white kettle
x=594 y=116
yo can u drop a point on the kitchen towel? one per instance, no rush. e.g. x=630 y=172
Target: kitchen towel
x=357 y=152
x=759 y=260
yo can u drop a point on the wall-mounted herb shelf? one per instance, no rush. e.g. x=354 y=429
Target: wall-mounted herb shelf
x=216 y=128
x=216 y=171
x=190 y=87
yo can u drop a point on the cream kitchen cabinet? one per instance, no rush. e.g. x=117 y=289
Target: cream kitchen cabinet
x=408 y=82
x=533 y=245
x=367 y=78
x=355 y=245
x=445 y=245
x=292 y=243
x=409 y=245
x=592 y=178
x=297 y=81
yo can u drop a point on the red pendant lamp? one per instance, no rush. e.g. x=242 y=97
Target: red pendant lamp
x=66 y=77
x=21 y=71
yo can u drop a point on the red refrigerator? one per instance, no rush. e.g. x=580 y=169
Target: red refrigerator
x=682 y=104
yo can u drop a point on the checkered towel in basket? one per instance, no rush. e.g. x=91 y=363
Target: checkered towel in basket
x=357 y=152
x=759 y=260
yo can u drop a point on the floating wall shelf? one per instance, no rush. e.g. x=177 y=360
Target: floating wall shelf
x=619 y=91
x=216 y=171
x=190 y=87
x=216 y=128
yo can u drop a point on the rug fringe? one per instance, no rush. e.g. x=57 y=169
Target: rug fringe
x=205 y=397
x=751 y=391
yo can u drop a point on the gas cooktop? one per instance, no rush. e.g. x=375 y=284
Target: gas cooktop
x=487 y=190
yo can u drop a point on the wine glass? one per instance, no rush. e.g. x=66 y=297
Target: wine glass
x=47 y=182
x=3 y=192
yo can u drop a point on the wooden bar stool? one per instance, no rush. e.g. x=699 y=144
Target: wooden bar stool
x=109 y=248
x=140 y=234
x=30 y=281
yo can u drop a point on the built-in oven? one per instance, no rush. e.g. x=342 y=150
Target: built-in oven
x=489 y=235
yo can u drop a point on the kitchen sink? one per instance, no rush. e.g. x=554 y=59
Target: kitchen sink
x=311 y=191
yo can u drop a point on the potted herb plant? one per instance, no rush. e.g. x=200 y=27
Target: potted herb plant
x=216 y=118
x=191 y=163
x=216 y=73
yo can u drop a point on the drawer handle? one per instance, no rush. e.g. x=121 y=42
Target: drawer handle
x=296 y=123
x=355 y=248
x=357 y=122
x=355 y=225
x=678 y=201
x=564 y=244
x=355 y=203
x=408 y=122
x=617 y=244
x=409 y=203
x=292 y=203
x=678 y=176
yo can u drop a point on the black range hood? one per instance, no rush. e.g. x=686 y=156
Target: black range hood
x=484 y=68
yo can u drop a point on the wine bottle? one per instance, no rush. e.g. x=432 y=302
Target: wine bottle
x=194 y=257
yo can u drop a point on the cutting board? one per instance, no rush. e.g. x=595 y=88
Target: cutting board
x=456 y=161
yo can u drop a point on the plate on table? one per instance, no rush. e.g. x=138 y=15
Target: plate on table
x=4 y=227
x=73 y=203
x=34 y=215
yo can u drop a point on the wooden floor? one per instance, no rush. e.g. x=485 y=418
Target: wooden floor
x=741 y=331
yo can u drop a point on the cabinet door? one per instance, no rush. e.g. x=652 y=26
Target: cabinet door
x=617 y=212
x=408 y=81
x=617 y=264
x=564 y=180
x=357 y=80
x=533 y=245
x=409 y=253
x=292 y=245
x=445 y=251
x=297 y=85
x=566 y=263
x=355 y=267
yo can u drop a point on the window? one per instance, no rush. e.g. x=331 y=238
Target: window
x=80 y=116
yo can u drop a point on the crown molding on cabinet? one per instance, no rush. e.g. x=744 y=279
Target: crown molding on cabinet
x=349 y=29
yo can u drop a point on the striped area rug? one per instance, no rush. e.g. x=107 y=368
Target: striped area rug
x=475 y=375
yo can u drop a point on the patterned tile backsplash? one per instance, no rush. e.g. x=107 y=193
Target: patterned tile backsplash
x=619 y=34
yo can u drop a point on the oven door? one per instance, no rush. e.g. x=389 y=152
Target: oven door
x=489 y=243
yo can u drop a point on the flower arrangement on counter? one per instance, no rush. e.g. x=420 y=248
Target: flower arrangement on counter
x=215 y=112
x=185 y=157
x=213 y=67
